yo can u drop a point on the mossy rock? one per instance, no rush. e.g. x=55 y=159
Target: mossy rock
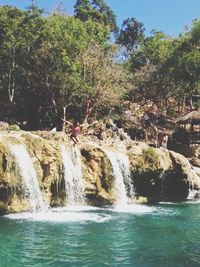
x=13 y=127
x=150 y=158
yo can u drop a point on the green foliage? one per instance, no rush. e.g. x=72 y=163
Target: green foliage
x=185 y=63
x=149 y=64
x=57 y=65
x=43 y=68
x=195 y=32
x=158 y=48
x=131 y=34
x=98 y=11
x=166 y=68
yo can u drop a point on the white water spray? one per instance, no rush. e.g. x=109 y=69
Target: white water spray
x=73 y=175
x=121 y=172
x=124 y=164
x=32 y=188
x=192 y=191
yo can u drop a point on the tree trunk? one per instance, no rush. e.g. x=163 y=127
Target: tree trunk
x=11 y=79
x=191 y=103
x=89 y=109
x=64 y=117
x=183 y=105
x=190 y=97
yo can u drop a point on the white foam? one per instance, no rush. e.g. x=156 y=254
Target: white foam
x=77 y=208
x=168 y=203
x=61 y=217
x=193 y=201
x=143 y=209
x=135 y=208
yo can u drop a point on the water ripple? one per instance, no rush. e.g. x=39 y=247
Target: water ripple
x=141 y=236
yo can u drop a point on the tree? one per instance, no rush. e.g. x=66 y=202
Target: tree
x=103 y=83
x=20 y=34
x=57 y=70
x=98 y=11
x=41 y=64
x=131 y=34
x=10 y=21
x=149 y=64
x=186 y=62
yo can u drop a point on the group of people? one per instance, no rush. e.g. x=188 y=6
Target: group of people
x=93 y=128
x=75 y=129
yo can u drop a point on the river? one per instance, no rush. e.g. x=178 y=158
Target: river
x=137 y=236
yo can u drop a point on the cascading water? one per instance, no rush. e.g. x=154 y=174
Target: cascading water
x=124 y=164
x=32 y=188
x=193 y=193
x=73 y=175
x=121 y=171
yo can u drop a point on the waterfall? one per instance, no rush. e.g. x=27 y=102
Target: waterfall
x=73 y=175
x=32 y=188
x=121 y=171
x=193 y=193
x=124 y=164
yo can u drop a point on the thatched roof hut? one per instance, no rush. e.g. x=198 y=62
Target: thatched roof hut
x=191 y=118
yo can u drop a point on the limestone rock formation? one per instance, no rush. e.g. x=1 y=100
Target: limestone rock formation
x=195 y=155
x=99 y=183
x=162 y=175
x=156 y=173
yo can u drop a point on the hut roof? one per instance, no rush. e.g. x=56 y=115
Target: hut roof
x=192 y=117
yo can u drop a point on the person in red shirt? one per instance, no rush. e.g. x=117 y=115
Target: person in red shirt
x=75 y=130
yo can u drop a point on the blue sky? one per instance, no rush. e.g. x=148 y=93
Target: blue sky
x=169 y=16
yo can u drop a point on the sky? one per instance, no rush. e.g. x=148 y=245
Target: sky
x=169 y=16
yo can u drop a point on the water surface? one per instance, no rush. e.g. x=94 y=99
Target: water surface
x=136 y=236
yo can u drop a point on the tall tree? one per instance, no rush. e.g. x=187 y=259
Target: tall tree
x=10 y=33
x=151 y=71
x=98 y=11
x=103 y=82
x=131 y=34
x=186 y=60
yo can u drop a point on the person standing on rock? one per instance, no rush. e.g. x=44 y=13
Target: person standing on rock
x=75 y=130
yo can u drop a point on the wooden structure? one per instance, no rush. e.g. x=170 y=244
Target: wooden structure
x=191 y=118
x=190 y=124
